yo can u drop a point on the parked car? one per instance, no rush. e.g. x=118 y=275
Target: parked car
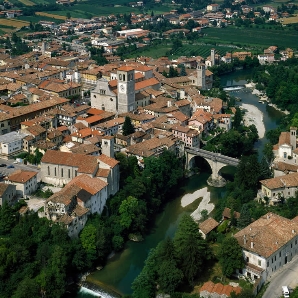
x=15 y=161
x=285 y=291
x=10 y=166
x=2 y=165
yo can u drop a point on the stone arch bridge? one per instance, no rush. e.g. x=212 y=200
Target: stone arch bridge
x=215 y=160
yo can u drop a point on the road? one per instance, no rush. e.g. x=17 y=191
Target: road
x=19 y=166
x=213 y=155
x=285 y=276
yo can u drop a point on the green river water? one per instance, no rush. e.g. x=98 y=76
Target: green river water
x=122 y=268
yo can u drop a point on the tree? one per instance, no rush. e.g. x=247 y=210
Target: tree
x=248 y=173
x=245 y=217
x=68 y=16
x=237 y=118
x=183 y=71
x=169 y=275
x=127 y=127
x=230 y=256
x=204 y=214
x=192 y=250
x=265 y=171
x=127 y=211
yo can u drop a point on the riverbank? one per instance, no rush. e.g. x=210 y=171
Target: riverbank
x=254 y=116
x=204 y=205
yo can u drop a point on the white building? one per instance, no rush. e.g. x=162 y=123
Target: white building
x=70 y=206
x=25 y=182
x=59 y=168
x=11 y=143
x=268 y=244
x=279 y=187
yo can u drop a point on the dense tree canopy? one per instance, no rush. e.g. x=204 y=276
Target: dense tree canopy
x=173 y=262
x=230 y=257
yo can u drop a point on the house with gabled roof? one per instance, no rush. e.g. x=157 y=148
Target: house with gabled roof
x=268 y=244
x=277 y=188
x=207 y=226
x=25 y=182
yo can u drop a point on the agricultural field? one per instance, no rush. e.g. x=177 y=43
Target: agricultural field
x=200 y=50
x=291 y=20
x=36 y=19
x=50 y=15
x=13 y=23
x=250 y=37
x=27 y=2
x=188 y=50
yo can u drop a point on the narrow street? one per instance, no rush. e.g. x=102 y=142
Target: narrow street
x=286 y=276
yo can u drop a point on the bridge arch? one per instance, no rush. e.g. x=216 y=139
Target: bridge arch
x=216 y=161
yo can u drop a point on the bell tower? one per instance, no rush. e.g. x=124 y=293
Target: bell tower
x=126 y=89
x=201 y=76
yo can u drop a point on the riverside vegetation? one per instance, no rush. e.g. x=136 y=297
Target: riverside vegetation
x=37 y=256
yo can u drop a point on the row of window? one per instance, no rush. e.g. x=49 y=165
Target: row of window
x=62 y=172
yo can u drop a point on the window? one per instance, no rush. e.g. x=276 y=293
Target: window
x=280 y=254
x=272 y=261
x=259 y=262
x=120 y=76
x=76 y=173
x=61 y=172
x=68 y=173
x=123 y=77
x=268 y=264
x=55 y=171
x=48 y=170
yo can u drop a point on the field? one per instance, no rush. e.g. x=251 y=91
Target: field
x=13 y=23
x=188 y=50
x=49 y=15
x=291 y=20
x=251 y=37
x=27 y=2
x=36 y=19
x=200 y=50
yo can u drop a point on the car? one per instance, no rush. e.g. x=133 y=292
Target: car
x=10 y=166
x=15 y=161
x=2 y=165
x=285 y=291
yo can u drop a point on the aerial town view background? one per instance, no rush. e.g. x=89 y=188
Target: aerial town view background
x=148 y=148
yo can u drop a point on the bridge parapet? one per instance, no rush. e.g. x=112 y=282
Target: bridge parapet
x=215 y=160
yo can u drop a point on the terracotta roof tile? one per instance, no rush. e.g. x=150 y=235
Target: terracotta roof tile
x=267 y=234
x=21 y=176
x=85 y=163
x=208 y=225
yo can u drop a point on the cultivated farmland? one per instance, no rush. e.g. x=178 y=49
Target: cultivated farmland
x=27 y=2
x=13 y=23
x=291 y=20
x=50 y=15
x=251 y=37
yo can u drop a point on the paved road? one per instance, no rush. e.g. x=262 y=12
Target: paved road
x=5 y=171
x=285 y=276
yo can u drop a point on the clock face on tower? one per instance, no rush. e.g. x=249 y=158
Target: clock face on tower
x=122 y=88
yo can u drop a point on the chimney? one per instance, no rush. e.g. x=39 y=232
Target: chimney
x=244 y=239
x=251 y=244
x=293 y=231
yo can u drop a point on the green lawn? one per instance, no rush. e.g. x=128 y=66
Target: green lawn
x=252 y=37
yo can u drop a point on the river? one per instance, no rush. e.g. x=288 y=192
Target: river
x=122 y=269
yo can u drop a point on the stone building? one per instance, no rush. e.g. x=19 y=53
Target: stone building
x=59 y=168
x=268 y=244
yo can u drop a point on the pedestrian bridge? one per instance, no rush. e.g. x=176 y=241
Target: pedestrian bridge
x=216 y=161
